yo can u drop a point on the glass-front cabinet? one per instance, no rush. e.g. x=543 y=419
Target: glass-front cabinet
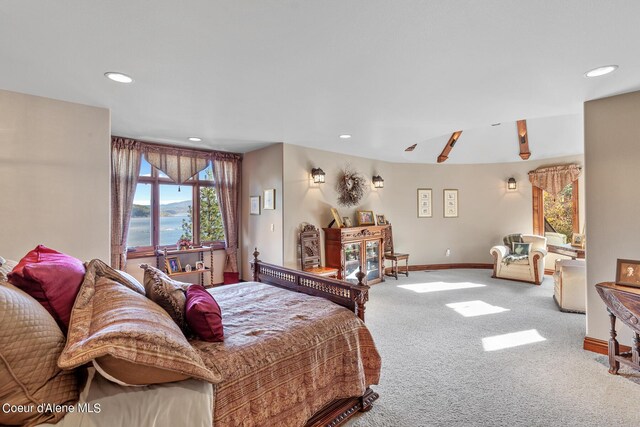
x=372 y=259
x=352 y=260
x=350 y=248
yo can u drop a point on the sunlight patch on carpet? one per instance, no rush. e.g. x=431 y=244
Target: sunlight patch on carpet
x=475 y=308
x=440 y=286
x=515 y=339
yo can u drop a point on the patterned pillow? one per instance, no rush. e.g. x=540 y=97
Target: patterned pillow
x=6 y=265
x=521 y=249
x=134 y=340
x=30 y=343
x=168 y=294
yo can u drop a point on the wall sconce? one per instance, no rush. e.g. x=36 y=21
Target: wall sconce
x=512 y=185
x=378 y=182
x=318 y=175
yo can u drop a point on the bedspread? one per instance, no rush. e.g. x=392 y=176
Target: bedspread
x=285 y=356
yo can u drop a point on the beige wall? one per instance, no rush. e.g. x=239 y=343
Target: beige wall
x=54 y=171
x=309 y=202
x=261 y=170
x=486 y=213
x=612 y=148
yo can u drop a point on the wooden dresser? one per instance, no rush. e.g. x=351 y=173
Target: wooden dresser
x=350 y=248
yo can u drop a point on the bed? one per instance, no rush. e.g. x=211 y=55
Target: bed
x=288 y=359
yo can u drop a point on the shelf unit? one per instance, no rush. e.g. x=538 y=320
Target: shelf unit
x=186 y=256
x=351 y=248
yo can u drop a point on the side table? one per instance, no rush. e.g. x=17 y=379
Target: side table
x=623 y=302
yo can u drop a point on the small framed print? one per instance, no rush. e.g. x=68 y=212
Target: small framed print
x=365 y=218
x=336 y=217
x=450 y=203
x=254 y=205
x=172 y=264
x=425 y=203
x=199 y=265
x=578 y=240
x=628 y=273
x=347 y=221
x=381 y=220
x=269 y=199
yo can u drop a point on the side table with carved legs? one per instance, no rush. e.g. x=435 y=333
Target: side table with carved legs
x=623 y=302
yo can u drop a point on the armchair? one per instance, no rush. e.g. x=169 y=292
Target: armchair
x=570 y=285
x=525 y=268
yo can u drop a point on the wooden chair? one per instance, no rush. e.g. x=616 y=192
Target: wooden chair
x=394 y=257
x=310 y=253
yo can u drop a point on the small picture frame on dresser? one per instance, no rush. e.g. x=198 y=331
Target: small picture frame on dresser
x=628 y=272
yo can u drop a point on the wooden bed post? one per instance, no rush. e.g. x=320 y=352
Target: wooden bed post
x=362 y=297
x=255 y=264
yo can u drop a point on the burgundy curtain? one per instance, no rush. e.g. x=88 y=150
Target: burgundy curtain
x=226 y=173
x=125 y=168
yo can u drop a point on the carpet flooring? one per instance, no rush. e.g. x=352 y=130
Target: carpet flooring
x=442 y=368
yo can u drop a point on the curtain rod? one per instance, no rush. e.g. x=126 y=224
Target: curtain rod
x=161 y=146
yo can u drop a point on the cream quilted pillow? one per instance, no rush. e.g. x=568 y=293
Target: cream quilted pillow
x=6 y=265
x=30 y=343
x=133 y=339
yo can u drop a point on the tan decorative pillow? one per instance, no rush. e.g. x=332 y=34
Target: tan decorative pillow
x=168 y=294
x=30 y=343
x=6 y=265
x=110 y=319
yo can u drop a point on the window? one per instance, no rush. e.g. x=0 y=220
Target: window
x=557 y=215
x=163 y=211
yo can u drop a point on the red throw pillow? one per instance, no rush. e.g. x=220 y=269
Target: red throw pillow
x=52 y=278
x=203 y=314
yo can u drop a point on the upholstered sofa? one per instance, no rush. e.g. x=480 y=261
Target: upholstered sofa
x=570 y=285
x=525 y=269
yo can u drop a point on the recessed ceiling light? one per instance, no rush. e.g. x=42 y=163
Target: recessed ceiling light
x=496 y=124
x=118 y=77
x=411 y=147
x=601 y=71
x=345 y=136
x=195 y=139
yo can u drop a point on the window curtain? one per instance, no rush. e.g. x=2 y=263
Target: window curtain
x=226 y=173
x=179 y=164
x=554 y=178
x=125 y=168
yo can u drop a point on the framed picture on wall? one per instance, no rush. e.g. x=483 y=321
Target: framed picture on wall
x=254 y=205
x=424 y=203
x=450 y=203
x=269 y=199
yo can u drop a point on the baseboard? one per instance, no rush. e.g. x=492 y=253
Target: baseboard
x=600 y=346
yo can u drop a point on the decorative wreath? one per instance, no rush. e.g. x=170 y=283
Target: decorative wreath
x=350 y=187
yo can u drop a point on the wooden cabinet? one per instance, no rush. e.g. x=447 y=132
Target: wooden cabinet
x=351 y=248
x=188 y=257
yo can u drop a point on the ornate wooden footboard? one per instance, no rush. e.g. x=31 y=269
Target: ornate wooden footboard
x=354 y=297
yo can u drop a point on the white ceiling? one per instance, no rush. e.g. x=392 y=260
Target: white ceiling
x=243 y=74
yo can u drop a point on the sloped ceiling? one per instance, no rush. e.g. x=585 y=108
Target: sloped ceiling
x=244 y=74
